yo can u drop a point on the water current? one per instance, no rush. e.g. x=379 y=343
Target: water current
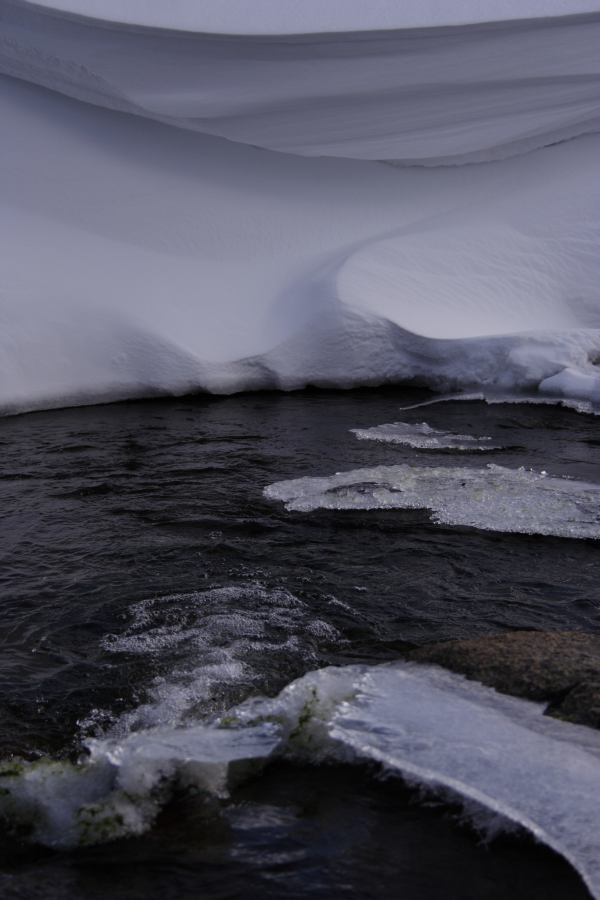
x=151 y=581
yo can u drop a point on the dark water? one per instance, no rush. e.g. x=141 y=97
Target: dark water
x=105 y=507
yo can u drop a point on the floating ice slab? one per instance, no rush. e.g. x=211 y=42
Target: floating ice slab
x=422 y=436
x=493 y=498
x=585 y=407
x=498 y=755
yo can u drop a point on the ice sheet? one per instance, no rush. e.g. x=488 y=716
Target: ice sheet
x=498 y=755
x=493 y=498
x=422 y=436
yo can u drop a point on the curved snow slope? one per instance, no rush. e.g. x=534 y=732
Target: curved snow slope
x=139 y=259
x=309 y=16
x=461 y=89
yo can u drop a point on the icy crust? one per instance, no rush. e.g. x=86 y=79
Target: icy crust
x=414 y=95
x=493 y=498
x=585 y=407
x=500 y=756
x=422 y=436
x=144 y=260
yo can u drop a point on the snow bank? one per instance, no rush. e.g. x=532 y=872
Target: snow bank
x=279 y=17
x=141 y=259
x=447 y=92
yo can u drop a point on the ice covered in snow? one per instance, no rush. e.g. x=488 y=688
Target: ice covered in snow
x=422 y=436
x=498 y=755
x=141 y=258
x=493 y=498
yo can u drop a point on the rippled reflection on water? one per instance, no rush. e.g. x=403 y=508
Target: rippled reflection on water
x=105 y=509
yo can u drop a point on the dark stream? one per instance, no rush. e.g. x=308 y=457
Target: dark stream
x=104 y=507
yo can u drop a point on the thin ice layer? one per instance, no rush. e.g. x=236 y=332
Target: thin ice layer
x=422 y=436
x=443 y=732
x=497 y=754
x=493 y=498
x=585 y=407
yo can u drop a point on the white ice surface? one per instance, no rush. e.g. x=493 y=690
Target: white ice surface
x=139 y=259
x=493 y=498
x=585 y=407
x=497 y=754
x=422 y=436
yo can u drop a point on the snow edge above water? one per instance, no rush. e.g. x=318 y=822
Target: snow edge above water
x=166 y=261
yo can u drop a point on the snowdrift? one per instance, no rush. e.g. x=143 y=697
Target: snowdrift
x=139 y=258
x=414 y=84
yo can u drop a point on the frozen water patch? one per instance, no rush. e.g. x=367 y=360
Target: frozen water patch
x=218 y=645
x=422 y=436
x=498 y=755
x=493 y=498
x=586 y=407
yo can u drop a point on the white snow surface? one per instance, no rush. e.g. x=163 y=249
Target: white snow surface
x=281 y=17
x=138 y=258
x=448 y=92
x=422 y=436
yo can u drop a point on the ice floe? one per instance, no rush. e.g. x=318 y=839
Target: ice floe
x=422 y=436
x=498 y=755
x=493 y=498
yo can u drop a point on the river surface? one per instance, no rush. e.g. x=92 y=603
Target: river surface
x=147 y=580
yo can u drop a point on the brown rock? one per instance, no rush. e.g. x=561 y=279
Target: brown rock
x=562 y=667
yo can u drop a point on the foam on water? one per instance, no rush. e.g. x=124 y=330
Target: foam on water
x=422 y=436
x=493 y=498
x=220 y=644
x=212 y=649
x=498 y=755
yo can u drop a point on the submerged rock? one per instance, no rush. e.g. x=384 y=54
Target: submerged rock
x=562 y=667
